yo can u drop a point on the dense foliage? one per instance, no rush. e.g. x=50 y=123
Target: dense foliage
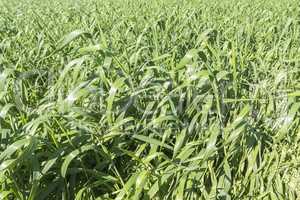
x=149 y=99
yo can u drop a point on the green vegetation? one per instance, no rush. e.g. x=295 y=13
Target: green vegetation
x=149 y=99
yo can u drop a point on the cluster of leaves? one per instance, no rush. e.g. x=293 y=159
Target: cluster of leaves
x=149 y=99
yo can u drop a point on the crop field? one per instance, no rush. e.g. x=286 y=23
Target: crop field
x=149 y=99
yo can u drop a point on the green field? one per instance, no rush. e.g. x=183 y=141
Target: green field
x=149 y=99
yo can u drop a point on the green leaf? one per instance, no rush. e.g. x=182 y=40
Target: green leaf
x=79 y=195
x=67 y=39
x=189 y=56
x=294 y=94
x=112 y=92
x=180 y=188
x=73 y=155
x=140 y=184
x=127 y=187
x=179 y=142
x=151 y=141
x=6 y=164
x=4 y=110
x=91 y=49
x=10 y=150
x=4 y=194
